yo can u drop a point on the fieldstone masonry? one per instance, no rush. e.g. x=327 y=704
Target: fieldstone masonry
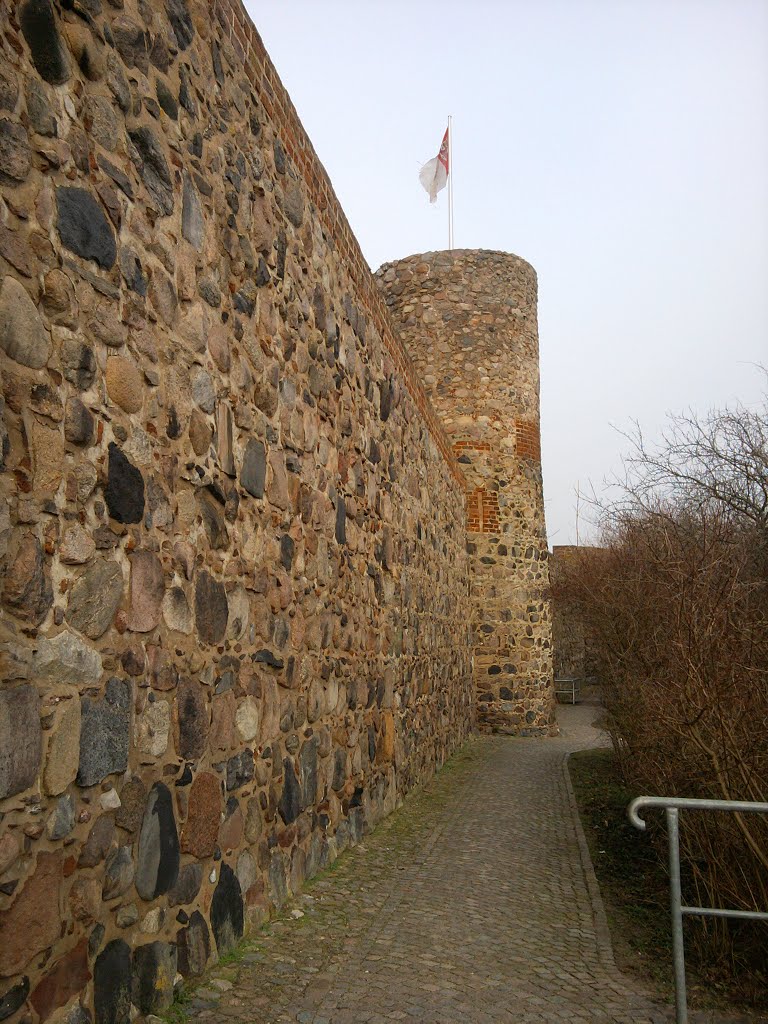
x=469 y=321
x=234 y=581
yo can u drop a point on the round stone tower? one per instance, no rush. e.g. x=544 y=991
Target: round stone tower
x=468 y=320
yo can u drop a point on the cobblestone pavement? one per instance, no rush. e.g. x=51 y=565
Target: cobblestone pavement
x=474 y=903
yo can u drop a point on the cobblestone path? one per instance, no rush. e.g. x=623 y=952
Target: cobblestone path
x=474 y=903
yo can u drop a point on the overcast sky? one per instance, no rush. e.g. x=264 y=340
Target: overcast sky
x=620 y=146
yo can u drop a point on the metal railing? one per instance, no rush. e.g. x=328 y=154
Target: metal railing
x=673 y=805
x=568 y=686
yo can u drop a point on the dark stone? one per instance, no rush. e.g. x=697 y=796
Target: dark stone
x=244 y=301
x=84 y=228
x=240 y=769
x=192 y=719
x=279 y=152
x=341 y=521
x=254 y=472
x=194 y=946
x=153 y=168
x=289 y=805
x=231 y=505
x=9 y=90
x=187 y=885
x=15 y=154
x=124 y=492
x=105 y=733
x=210 y=291
x=132 y=271
x=121 y=179
x=318 y=856
x=181 y=22
x=319 y=308
x=287 y=548
x=78 y=1015
x=167 y=100
x=20 y=739
x=385 y=400
x=339 y=769
x=158 y=53
x=357 y=826
x=157 y=858
x=131 y=43
x=227 y=910
x=224 y=437
x=95 y=598
x=62 y=819
x=95 y=940
x=117 y=80
x=308 y=767
x=78 y=423
x=38 y=24
x=133 y=797
x=186 y=97
x=281 y=246
x=211 y=609
x=218 y=68
x=262 y=273
x=118 y=873
x=173 y=430
x=154 y=968
x=39 y=110
x=266 y=657
x=78 y=363
x=112 y=984
x=14 y=998
x=192 y=222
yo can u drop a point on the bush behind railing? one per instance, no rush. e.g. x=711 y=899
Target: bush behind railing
x=675 y=602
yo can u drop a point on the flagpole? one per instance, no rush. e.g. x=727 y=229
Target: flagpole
x=450 y=182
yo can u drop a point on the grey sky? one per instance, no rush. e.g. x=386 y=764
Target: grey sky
x=620 y=147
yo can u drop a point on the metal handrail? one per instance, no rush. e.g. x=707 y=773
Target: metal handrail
x=673 y=805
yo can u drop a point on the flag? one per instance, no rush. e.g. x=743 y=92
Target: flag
x=434 y=174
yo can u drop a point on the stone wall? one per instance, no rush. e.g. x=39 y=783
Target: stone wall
x=468 y=319
x=233 y=577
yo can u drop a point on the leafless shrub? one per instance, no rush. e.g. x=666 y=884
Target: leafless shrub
x=676 y=602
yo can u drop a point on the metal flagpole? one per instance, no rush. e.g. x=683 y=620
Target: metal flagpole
x=450 y=182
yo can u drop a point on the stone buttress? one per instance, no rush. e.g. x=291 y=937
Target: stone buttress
x=468 y=319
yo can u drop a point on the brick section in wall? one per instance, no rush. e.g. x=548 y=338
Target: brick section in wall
x=528 y=440
x=483 y=511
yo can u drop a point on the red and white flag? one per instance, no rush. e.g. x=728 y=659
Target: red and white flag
x=434 y=174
